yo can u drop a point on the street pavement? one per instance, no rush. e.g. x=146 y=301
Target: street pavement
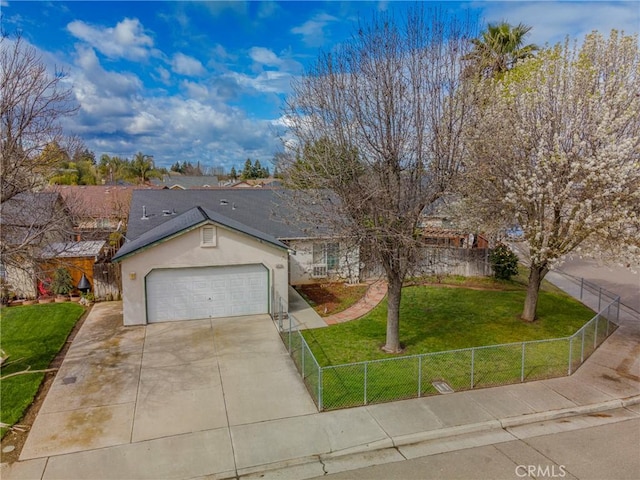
x=603 y=452
x=265 y=426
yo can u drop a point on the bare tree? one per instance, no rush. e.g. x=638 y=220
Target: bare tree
x=375 y=136
x=32 y=103
x=556 y=149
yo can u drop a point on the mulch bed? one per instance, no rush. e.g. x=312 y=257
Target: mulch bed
x=328 y=298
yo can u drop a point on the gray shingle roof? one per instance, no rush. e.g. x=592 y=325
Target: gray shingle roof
x=264 y=210
x=182 y=222
x=186 y=181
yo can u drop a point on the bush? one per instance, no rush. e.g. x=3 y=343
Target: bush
x=504 y=262
x=62 y=283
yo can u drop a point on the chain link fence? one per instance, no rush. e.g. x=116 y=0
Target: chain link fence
x=377 y=381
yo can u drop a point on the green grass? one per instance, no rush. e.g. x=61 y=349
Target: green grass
x=435 y=319
x=440 y=319
x=32 y=336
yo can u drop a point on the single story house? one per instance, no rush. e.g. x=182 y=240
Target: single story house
x=174 y=181
x=29 y=222
x=216 y=253
x=96 y=210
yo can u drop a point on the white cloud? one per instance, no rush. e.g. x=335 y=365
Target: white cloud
x=126 y=40
x=185 y=65
x=553 y=21
x=264 y=56
x=313 y=31
x=164 y=75
x=268 y=9
x=265 y=82
x=107 y=83
x=144 y=123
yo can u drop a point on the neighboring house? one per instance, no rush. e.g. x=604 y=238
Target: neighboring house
x=28 y=223
x=97 y=210
x=253 y=183
x=224 y=252
x=449 y=250
x=185 y=182
x=449 y=237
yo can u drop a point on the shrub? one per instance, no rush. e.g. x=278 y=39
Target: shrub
x=504 y=262
x=62 y=283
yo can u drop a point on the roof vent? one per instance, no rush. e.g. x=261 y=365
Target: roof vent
x=233 y=206
x=144 y=213
x=166 y=213
x=223 y=202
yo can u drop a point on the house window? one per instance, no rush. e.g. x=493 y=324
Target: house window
x=333 y=256
x=103 y=223
x=327 y=254
x=208 y=238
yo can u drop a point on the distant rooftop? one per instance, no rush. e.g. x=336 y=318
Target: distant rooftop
x=186 y=182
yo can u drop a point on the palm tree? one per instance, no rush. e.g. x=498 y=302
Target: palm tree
x=143 y=168
x=499 y=48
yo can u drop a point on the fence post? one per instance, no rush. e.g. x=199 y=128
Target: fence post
x=419 y=376
x=365 y=382
x=289 y=334
x=304 y=346
x=599 y=297
x=473 y=359
x=595 y=333
x=582 y=348
x=319 y=388
x=522 y=363
x=570 y=353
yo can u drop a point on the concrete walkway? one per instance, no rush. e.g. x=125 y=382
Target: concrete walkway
x=307 y=444
x=374 y=295
x=301 y=314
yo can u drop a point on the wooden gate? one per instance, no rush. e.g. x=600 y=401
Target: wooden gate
x=107 y=281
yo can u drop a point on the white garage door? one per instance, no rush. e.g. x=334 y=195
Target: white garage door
x=207 y=292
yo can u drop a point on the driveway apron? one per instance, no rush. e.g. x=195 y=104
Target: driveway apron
x=121 y=385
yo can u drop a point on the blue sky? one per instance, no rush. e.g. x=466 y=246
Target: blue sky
x=205 y=81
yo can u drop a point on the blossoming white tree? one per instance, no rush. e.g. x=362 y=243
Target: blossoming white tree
x=556 y=148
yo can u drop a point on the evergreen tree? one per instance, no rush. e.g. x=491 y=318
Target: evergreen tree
x=247 y=171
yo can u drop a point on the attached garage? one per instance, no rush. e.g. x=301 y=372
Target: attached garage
x=200 y=264
x=206 y=292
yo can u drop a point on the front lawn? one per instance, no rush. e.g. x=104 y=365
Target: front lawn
x=445 y=321
x=31 y=336
x=439 y=318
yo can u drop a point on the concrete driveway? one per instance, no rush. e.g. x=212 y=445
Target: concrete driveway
x=121 y=385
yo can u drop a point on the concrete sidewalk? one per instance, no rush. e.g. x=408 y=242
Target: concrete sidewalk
x=373 y=296
x=309 y=445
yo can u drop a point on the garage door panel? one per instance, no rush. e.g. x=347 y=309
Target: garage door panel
x=208 y=292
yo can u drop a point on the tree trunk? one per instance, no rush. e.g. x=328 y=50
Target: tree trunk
x=394 y=294
x=536 y=275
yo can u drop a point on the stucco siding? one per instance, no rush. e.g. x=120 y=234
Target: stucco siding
x=301 y=264
x=186 y=251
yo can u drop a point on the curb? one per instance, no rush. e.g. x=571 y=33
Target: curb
x=361 y=455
